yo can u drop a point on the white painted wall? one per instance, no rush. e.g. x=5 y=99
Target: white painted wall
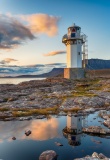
x=74 y=122
x=74 y=60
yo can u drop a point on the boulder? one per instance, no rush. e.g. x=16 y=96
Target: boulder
x=95 y=156
x=48 y=155
x=27 y=132
x=13 y=138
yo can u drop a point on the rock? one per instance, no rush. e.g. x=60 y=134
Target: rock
x=11 y=99
x=105 y=117
x=27 y=133
x=39 y=94
x=58 y=144
x=96 y=130
x=102 y=156
x=95 y=156
x=62 y=114
x=107 y=123
x=40 y=117
x=90 y=110
x=9 y=119
x=25 y=118
x=13 y=138
x=48 y=155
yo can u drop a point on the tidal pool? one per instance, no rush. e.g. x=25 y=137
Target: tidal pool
x=45 y=133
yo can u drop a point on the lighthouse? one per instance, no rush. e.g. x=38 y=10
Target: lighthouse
x=75 y=43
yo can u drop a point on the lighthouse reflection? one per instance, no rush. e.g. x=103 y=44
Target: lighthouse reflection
x=73 y=130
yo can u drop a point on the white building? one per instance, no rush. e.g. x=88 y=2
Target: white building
x=76 y=46
x=74 y=41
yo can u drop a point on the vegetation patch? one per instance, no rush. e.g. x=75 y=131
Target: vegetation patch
x=31 y=112
x=74 y=110
x=82 y=93
x=4 y=109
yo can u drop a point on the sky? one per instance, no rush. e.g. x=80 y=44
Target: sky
x=31 y=31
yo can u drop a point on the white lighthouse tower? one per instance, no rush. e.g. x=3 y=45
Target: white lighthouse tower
x=74 y=42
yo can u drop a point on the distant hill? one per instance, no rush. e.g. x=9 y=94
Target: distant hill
x=96 y=64
x=53 y=73
x=93 y=64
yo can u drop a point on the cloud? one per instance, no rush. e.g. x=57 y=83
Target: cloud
x=7 y=60
x=13 y=32
x=53 y=53
x=13 y=70
x=42 y=23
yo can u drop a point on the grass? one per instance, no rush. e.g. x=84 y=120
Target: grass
x=30 y=112
x=4 y=109
x=84 y=86
x=74 y=110
x=83 y=93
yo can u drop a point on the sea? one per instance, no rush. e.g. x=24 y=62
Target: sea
x=16 y=80
x=45 y=133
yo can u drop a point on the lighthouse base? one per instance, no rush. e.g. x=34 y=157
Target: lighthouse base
x=74 y=73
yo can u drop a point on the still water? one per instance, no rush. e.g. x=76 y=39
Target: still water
x=45 y=133
x=16 y=80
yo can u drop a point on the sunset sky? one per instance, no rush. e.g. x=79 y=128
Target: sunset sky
x=31 y=30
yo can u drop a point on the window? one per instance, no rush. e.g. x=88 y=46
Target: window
x=78 y=53
x=72 y=34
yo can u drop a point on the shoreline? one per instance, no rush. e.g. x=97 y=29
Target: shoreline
x=53 y=96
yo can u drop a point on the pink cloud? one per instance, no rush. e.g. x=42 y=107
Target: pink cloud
x=53 y=53
x=42 y=23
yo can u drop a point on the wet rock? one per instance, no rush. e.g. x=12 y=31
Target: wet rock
x=95 y=156
x=105 y=117
x=27 y=132
x=90 y=110
x=40 y=117
x=9 y=119
x=13 y=138
x=62 y=114
x=58 y=144
x=107 y=123
x=102 y=156
x=25 y=118
x=48 y=155
x=96 y=130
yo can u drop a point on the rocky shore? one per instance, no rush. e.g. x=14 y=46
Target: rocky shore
x=52 y=155
x=40 y=98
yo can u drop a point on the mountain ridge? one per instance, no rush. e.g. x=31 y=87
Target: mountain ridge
x=93 y=64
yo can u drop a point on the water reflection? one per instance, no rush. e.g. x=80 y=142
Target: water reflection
x=73 y=130
x=41 y=129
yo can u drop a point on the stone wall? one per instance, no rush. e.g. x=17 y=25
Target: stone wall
x=74 y=73
x=97 y=73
